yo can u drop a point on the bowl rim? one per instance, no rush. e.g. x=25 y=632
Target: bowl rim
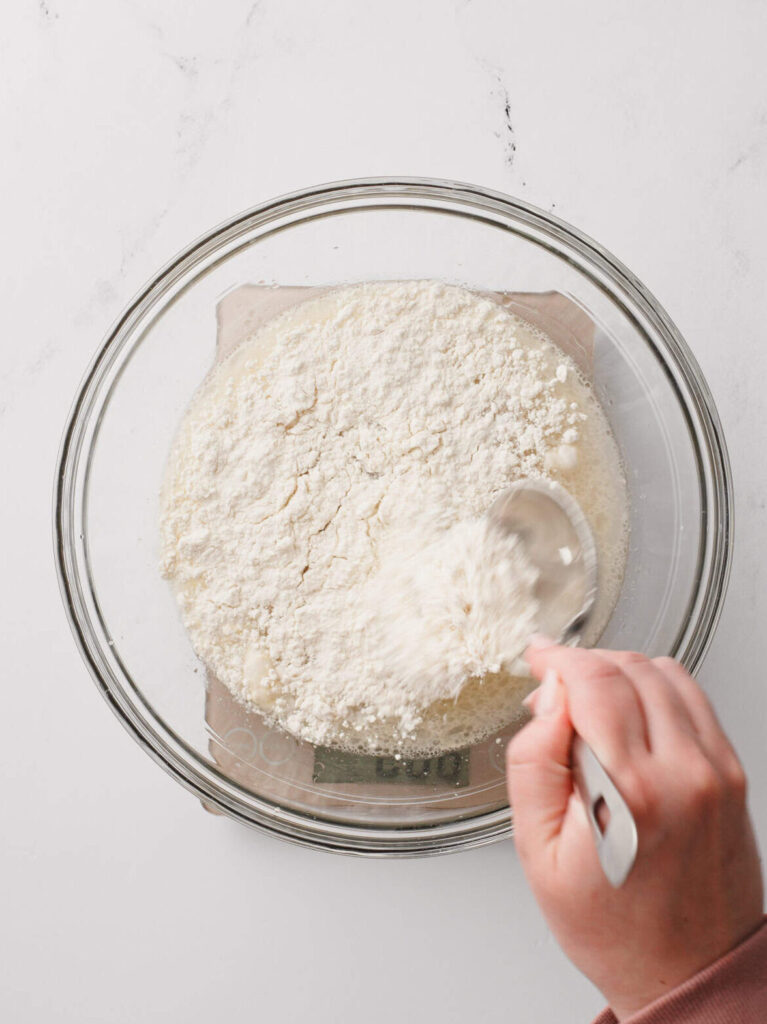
x=159 y=740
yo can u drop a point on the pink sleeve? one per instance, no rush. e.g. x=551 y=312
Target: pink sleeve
x=733 y=989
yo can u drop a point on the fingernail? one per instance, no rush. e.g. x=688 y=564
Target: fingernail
x=549 y=694
x=531 y=699
x=539 y=641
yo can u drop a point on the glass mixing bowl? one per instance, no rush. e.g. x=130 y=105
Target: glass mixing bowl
x=124 y=616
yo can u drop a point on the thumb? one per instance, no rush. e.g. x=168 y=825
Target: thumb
x=538 y=771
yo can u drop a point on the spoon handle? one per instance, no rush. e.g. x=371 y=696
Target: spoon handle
x=617 y=843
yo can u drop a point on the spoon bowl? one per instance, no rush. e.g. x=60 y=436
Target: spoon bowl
x=558 y=540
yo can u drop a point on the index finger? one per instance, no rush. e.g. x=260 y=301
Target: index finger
x=603 y=704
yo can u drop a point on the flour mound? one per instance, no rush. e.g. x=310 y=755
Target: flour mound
x=443 y=609
x=322 y=513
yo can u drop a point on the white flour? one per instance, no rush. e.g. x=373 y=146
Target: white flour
x=444 y=607
x=321 y=516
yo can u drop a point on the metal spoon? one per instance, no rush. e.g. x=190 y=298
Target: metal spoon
x=559 y=543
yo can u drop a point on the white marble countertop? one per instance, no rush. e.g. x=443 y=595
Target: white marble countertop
x=128 y=128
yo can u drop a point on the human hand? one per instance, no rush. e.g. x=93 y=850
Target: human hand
x=695 y=890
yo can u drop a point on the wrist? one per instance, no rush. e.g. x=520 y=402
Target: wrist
x=634 y=996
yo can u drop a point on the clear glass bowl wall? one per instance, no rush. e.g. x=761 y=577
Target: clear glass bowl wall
x=106 y=505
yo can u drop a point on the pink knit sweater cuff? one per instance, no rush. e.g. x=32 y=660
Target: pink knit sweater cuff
x=733 y=989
